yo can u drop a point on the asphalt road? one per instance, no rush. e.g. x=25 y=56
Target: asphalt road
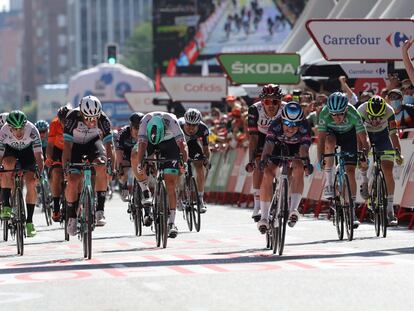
x=223 y=267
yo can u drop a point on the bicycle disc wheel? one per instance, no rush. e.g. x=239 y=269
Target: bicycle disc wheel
x=383 y=204
x=164 y=211
x=20 y=219
x=195 y=204
x=348 y=205
x=373 y=201
x=339 y=213
x=284 y=215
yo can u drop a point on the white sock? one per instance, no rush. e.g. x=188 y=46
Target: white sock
x=143 y=185
x=390 y=204
x=364 y=176
x=329 y=176
x=256 y=197
x=171 y=219
x=201 y=196
x=265 y=207
x=295 y=199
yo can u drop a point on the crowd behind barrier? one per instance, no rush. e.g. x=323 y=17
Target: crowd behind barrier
x=228 y=183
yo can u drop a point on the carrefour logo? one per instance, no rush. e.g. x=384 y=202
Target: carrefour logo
x=262 y=68
x=359 y=39
x=395 y=39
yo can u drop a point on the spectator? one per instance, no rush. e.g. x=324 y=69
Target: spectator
x=313 y=117
x=393 y=81
x=404 y=114
x=231 y=101
x=364 y=96
x=215 y=114
x=384 y=92
x=353 y=99
x=407 y=90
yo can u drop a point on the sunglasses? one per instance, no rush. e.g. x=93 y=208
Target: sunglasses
x=290 y=123
x=273 y=102
x=191 y=125
x=43 y=132
x=337 y=114
x=91 y=119
x=372 y=118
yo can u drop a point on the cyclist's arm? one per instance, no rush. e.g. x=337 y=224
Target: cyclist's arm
x=267 y=149
x=119 y=157
x=321 y=144
x=67 y=152
x=206 y=152
x=363 y=141
x=182 y=145
x=110 y=152
x=39 y=160
x=252 y=129
x=304 y=151
x=406 y=58
x=395 y=140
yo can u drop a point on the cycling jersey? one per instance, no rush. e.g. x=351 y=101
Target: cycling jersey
x=301 y=137
x=202 y=132
x=384 y=122
x=352 y=120
x=172 y=128
x=124 y=139
x=56 y=133
x=258 y=121
x=31 y=137
x=76 y=131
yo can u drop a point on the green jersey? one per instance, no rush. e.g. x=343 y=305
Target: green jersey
x=352 y=120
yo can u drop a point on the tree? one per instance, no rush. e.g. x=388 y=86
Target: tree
x=138 y=50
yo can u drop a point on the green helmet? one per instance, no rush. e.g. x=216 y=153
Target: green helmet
x=16 y=119
x=155 y=130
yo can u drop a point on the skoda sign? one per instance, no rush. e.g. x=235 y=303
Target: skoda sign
x=360 y=39
x=261 y=68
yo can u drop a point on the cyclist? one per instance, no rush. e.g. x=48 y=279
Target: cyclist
x=127 y=138
x=54 y=152
x=160 y=131
x=3 y=117
x=259 y=117
x=43 y=128
x=195 y=131
x=340 y=124
x=379 y=120
x=20 y=141
x=87 y=129
x=291 y=129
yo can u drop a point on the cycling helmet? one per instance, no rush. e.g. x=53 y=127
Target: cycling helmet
x=292 y=112
x=337 y=102
x=135 y=119
x=16 y=119
x=3 y=117
x=192 y=116
x=90 y=106
x=376 y=106
x=271 y=91
x=62 y=113
x=155 y=130
x=42 y=125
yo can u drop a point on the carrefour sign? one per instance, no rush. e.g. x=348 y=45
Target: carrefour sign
x=360 y=39
x=259 y=68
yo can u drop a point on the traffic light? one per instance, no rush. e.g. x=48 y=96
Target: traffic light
x=111 y=53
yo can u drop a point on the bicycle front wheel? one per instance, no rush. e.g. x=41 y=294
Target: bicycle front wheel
x=5 y=224
x=20 y=220
x=348 y=207
x=46 y=209
x=188 y=202
x=164 y=214
x=87 y=225
x=382 y=204
x=137 y=209
x=337 y=207
x=373 y=202
x=284 y=214
x=195 y=204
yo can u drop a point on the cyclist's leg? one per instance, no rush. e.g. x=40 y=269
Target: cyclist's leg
x=56 y=178
x=9 y=161
x=97 y=154
x=257 y=179
x=330 y=145
x=296 y=188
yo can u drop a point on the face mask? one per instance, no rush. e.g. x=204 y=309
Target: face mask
x=408 y=99
x=396 y=104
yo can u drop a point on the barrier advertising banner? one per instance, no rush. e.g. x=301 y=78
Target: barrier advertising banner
x=367 y=70
x=360 y=39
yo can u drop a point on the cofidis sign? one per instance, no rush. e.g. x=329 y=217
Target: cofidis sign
x=360 y=39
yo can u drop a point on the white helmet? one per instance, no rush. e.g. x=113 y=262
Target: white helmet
x=90 y=106
x=192 y=116
x=3 y=117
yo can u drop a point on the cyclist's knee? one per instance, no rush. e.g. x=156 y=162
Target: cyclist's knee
x=9 y=163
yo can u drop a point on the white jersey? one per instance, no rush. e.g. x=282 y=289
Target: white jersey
x=31 y=138
x=172 y=128
x=258 y=120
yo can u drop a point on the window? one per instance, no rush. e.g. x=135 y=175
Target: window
x=61 y=20
x=62 y=40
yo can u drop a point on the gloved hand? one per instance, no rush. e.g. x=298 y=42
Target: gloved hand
x=308 y=169
x=48 y=162
x=262 y=165
x=399 y=159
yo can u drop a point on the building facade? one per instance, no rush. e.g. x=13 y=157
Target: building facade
x=45 y=45
x=95 y=23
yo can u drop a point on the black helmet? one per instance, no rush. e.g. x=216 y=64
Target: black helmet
x=135 y=119
x=62 y=112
